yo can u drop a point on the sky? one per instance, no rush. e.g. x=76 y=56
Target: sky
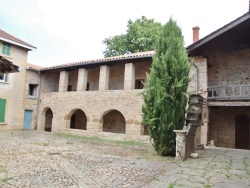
x=66 y=31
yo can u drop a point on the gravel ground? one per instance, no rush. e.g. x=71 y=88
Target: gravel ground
x=41 y=159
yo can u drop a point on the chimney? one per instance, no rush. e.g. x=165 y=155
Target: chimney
x=196 y=30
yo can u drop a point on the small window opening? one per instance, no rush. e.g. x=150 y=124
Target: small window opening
x=32 y=89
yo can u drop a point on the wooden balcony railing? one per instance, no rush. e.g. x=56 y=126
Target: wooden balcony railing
x=223 y=92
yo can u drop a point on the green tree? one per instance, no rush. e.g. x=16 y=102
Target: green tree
x=164 y=93
x=141 y=36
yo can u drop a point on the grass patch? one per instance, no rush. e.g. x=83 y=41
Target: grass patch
x=229 y=166
x=171 y=185
x=102 y=140
x=6 y=179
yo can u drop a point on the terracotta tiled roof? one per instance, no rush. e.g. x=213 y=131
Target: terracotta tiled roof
x=7 y=66
x=10 y=37
x=33 y=67
x=103 y=60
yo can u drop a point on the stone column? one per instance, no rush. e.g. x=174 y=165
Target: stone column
x=104 y=78
x=82 y=79
x=129 y=77
x=204 y=127
x=63 y=81
x=180 y=144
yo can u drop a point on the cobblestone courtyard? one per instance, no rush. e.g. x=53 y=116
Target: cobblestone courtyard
x=40 y=159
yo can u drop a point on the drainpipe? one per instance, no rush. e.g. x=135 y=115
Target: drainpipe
x=38 y=99
x=196 y=77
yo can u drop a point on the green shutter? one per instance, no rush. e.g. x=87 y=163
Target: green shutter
x=2 y=109
x=6 y=49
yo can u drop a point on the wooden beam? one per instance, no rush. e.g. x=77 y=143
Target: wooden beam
x=229 y=103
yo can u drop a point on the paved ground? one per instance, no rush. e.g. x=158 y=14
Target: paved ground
x=39 y=159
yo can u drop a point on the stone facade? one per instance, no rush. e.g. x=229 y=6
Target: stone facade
x=31 y=99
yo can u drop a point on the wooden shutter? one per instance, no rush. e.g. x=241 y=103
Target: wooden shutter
x=2 y=109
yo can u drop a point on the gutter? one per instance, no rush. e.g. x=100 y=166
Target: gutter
x=38 y=99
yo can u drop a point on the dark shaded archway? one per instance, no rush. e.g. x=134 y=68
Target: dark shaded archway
x=78 y=120
x=241 y=132
x=48 y=120
x=114 y=122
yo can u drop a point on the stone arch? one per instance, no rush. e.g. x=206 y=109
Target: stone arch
x=47 y=119
x=77 y=119
x=242 y=135
x=113 y=121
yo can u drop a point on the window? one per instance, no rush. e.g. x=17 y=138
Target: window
x=2 y=109
x=32 y=89
x=3 y=78
x=6 y=49
x=139 y=83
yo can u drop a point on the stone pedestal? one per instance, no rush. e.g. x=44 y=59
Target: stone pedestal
x=180 y=144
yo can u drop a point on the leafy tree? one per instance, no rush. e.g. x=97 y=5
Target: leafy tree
x=141 y=36
x=164 y=93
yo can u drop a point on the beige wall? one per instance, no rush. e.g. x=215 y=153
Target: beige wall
x=13 y=90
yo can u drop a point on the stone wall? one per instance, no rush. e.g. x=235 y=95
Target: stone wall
x=50 y=81
x=222 y=124
x=229 y=67
x=116 y=77
x=95 y=104
x=93 y=78
x=30 y=102
x=201 y=63
x=13 y=89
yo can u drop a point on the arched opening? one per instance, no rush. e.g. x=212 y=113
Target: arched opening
x=48 y=120
x=78 y=120
x=114 y=122
x=241 y=132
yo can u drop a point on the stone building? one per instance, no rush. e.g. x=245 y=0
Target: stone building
x=15 y=51
x=225 y=54
x=101 y=97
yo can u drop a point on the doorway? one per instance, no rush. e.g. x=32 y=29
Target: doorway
x=242 y=132
x=27 y=122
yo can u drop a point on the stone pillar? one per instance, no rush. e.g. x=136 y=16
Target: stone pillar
x=204 y=127
x=63 y=81
x=129 y=77
x=180 y=144
x=82 y=79
x=104 y=78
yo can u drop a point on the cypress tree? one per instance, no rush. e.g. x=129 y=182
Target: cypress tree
x=165 y=90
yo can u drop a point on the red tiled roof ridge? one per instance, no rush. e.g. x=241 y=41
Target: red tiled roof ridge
x=11 y=37
x=32 y=66
x=125 y=56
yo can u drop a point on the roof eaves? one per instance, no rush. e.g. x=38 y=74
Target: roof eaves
x=29 y=47
x=218 y=32
x=104 y=60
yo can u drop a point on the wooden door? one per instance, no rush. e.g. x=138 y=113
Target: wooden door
x=242 y=132
x=27 y=122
